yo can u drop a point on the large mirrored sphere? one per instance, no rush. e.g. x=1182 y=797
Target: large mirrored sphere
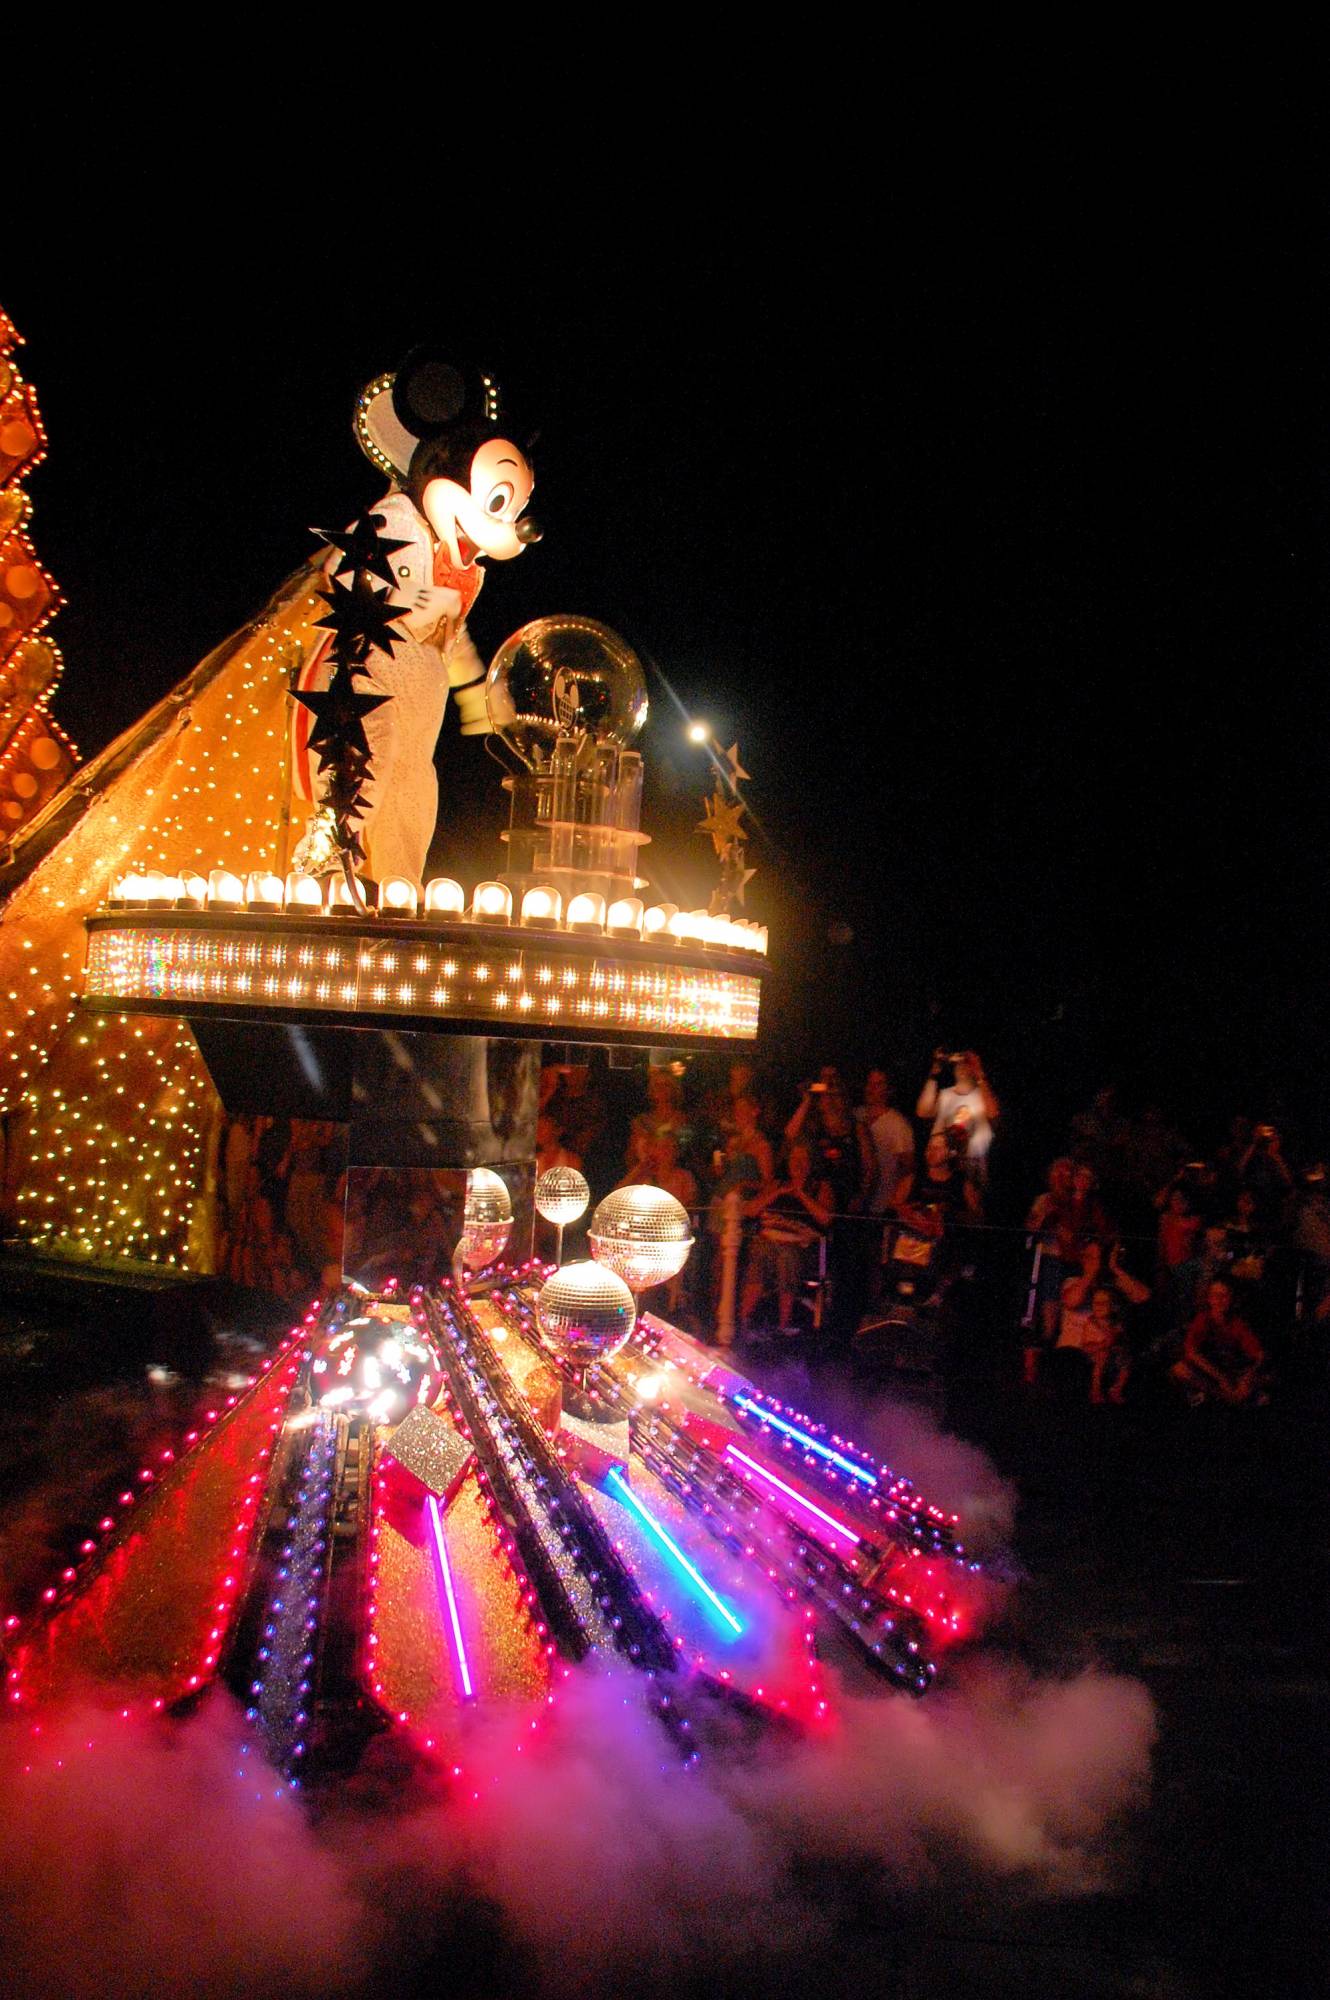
x=487 y=1219
x=586 y=1312
x=561 y=1195
x=642 y=1234
x=564 y=673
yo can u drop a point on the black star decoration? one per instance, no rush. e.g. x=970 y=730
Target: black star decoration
x=339 y=719
x=361 y=619
x=363 y=547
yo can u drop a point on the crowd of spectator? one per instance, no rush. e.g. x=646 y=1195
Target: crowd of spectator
x=1194 y=1270
x=829 y=1210
x=821 y=1198
x=1149 y=1264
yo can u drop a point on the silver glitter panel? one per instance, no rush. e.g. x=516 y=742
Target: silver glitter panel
x=431 y=1451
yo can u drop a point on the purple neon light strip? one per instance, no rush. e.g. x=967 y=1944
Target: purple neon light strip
x=836 y=1527
x=450 y=1595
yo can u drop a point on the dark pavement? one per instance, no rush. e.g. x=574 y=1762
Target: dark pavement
x=1189 y=1549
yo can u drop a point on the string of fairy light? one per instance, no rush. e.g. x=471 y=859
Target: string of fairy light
x=109 y=1116
x=110 y=1191
x=35 y=752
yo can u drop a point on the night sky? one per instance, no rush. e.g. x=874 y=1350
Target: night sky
x=994 y=529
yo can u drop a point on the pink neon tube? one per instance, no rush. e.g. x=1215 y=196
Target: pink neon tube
x=450 y=1597
x=828 y=1520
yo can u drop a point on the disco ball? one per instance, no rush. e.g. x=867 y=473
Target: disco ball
x=564 y=673
x=487 y=1219
x=561 y=1195
x=586 y=1312
x=642 y=1234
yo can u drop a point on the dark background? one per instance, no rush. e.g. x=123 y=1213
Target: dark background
x=989 y=514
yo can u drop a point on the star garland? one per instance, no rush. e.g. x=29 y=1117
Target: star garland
x=361 y=622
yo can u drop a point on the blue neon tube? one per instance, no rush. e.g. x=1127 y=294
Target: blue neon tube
x=672 y=1549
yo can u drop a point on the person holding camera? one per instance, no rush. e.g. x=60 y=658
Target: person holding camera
x=791 y=1214
x=823 y=1122
x=963 y=1110
x=1094 y=1319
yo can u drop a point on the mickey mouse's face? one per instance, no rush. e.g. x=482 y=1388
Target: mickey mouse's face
x=481 y=518
x=441 y=431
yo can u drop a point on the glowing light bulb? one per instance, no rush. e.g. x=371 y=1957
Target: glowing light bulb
x=444 y=897
x=340 y=901
x=398 y=897
x=541 y=906
x=303 y=892
x=586 y=913
x=492 y=903
x=225 y=891
x=264 y=892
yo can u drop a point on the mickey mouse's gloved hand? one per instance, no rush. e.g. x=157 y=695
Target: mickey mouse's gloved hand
x=473 y=710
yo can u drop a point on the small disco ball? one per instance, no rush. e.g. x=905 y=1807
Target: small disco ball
x=487 y=1219
x=561 y=1195
x=560 y=674
x=642 y=1234
x=586 y=1312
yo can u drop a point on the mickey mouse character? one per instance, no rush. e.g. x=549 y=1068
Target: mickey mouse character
x=460 y=484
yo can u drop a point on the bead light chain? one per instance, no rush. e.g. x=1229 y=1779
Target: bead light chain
x=285 y=1655
x=279 y=1374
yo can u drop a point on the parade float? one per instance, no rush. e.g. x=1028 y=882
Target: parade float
x=463 y=1471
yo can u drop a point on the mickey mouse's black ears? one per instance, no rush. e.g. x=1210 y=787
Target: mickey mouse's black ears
x=426 y=398
x=428 y=392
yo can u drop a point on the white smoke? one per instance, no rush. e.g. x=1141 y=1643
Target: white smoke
x=577 y=1859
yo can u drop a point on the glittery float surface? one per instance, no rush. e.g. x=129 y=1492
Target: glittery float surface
x=735 y=1583
x=207 y=792
x=141 y=1626
x=544 y=1397
x=413 y=1660
x=592 y=1448
x=768 y=1659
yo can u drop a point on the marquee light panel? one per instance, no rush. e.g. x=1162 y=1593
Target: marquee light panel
x=561 y=985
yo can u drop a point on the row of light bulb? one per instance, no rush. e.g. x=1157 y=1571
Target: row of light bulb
x=542 y=908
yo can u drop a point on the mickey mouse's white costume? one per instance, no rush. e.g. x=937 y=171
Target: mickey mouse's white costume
x=460 y=486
